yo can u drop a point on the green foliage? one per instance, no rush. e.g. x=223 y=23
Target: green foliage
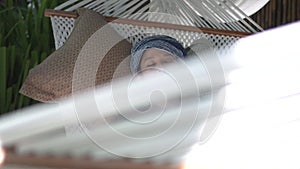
x=25 y=39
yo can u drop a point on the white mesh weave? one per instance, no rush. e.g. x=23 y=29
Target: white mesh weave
x=221 y=43
x=63 y=27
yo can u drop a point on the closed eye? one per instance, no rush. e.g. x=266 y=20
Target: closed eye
x=151 y=65
x=166 y=62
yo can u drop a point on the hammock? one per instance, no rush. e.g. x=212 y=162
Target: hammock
x=220 y=22
x=184 y=20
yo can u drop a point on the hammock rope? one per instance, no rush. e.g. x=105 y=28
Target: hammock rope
x=201 y=13
x=186 y=16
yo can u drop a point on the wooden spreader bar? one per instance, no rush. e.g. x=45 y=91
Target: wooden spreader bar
x=50 y=12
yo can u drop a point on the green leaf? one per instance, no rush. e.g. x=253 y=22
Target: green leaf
x=1 y=38
x=40 y=14
x=12 y=60
x=8 y=98
x=34 y=58
x=25 y=40
x=24 y=66
x=26 y=101
x=10 y=3
x=10 y=17
x=45 y=38
x=26 y=70
x=26 y=56
x=43 y=56
x=22 y=31
x=20 y=101
x=5 y=10
x=11 y=30
x=30 y=23
x=15 y=93
x=2 y=78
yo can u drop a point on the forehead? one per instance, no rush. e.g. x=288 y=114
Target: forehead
x=152 y=52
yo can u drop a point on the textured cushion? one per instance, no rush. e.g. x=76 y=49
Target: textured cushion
x=52 y=79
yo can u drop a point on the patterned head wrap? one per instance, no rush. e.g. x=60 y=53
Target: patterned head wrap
x=162 y=42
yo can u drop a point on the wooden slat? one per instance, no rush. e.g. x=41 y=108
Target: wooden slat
x=50 y=12
x=79 y=163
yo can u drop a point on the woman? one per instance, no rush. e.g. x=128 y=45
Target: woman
x=150 y=53
x=155 y=51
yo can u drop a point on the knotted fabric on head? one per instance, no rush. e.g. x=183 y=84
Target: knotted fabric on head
x=162 y=42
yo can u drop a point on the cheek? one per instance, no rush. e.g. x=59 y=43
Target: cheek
x=142 y=66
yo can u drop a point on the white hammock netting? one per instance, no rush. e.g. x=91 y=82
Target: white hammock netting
x=63 y=26
x=219 y=15
x=56 y=131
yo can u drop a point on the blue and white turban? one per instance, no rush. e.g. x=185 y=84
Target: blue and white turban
x=163 y=42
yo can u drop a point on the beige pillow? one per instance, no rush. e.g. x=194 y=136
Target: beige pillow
x=52 y=79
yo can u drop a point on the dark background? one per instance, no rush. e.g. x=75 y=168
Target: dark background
x=277 y=12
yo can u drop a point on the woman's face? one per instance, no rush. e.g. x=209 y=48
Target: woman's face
x=155 y=58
